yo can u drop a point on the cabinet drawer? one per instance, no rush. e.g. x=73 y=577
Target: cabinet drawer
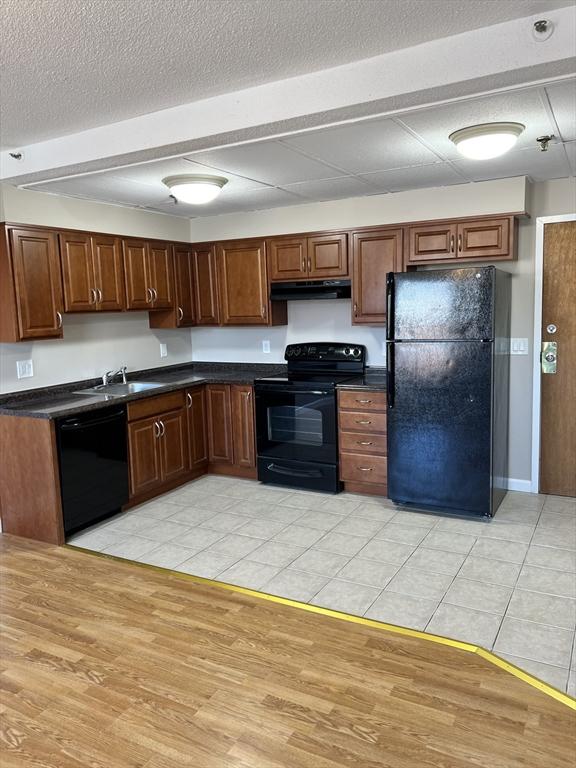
x=365 y=443
x=151 y=406
x=361 y=468
x=359 y=399
x=358 y=421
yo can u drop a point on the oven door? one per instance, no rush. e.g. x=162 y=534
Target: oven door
x=296 y=424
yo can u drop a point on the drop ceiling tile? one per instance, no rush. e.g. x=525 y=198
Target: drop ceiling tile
x=331 y=189
x=539 y=166
x=373 y=145
x=107 y=188
x=254 y=200
x=563 y=102
x=400 y=179
x=269 y=162
x=571 y=152
x=434 y=125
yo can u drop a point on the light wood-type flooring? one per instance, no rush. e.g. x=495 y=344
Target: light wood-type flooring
x=107 y=664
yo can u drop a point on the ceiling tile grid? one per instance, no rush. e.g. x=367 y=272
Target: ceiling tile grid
x=373 y=156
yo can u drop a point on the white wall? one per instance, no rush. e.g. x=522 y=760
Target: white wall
x=92 y=343
x=314 y=321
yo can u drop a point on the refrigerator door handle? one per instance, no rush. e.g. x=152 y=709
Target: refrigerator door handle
x=390 y=375
x=390 y=305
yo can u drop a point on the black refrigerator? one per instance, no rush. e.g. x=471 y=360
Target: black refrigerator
x=447 y=342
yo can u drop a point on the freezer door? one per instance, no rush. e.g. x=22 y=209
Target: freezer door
x=443 y=304
x=439 y=425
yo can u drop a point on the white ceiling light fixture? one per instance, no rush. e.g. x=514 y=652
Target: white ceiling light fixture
x=482 y=142
x=195 y=189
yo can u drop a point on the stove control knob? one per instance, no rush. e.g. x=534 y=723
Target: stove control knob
x=347 y=351
x=289 y=352
x=297 y=351
x=356 y=352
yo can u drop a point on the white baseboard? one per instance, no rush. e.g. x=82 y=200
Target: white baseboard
x=513 y=484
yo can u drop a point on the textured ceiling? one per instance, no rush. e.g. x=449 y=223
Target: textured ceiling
x=409 y=151
x=68 y=65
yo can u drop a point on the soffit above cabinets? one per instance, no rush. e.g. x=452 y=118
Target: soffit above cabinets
x=374 y=156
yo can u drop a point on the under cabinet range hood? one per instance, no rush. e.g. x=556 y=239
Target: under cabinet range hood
x=310 y=289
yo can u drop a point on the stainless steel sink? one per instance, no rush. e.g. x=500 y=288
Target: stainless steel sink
x=120 y=390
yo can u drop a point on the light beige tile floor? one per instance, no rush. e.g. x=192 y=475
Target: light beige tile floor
x=507 y=584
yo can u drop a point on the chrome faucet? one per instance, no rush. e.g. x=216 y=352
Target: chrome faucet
x=109 y=375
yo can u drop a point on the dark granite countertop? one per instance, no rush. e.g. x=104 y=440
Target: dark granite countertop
x=373 y=380
x=53 y=402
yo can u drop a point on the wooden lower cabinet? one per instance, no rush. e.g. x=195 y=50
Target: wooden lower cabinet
x=362 y=441
x=145 y=471
x=243 y=434
x=197 y=428
x=219 y=409
x=231 y=434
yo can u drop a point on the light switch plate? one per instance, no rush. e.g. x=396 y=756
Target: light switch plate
x=518 y=346
x=266 y=346
x=163 y=350
x=24 y=369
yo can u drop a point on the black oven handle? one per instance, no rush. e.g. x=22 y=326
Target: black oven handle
x=288 y=391
x=293 y=472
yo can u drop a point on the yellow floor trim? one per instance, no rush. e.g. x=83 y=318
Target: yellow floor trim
x=535 y=682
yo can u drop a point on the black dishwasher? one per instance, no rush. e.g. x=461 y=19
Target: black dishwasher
x=93 y=466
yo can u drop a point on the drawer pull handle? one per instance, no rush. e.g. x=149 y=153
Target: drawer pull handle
x=365 y=469
x=364 y=442
x=180 y=314
x=363 y=422
x=364 y=402
x=189 y=400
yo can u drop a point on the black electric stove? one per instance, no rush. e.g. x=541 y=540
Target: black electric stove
x=296 y=434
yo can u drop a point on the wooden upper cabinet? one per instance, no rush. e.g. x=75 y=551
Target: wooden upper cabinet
x=37 y=278
x=138 y=295
x=287 y=258
x=374 y=254
x=184 y=285
x=77 y=272
x=219 y=413
x=485 y=238
x=205 y=285
x=243 y=432
x=328 y=256
x=431 y=242
x=242 y=282
x=108 y=273
x=160 y=275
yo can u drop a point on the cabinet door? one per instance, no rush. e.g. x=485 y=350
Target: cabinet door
x=242 y=282
x=374 y=254
x=174 y=444
x=161 y=275
x=184 y=284
x=328 y=256
x=144 y=452
x=205 y=286
x=38 y=283
x=431 y=242
x=138 y=295
x=219 y=423
x=108 y=273
x=77 y=272
x=243 y=425
x=484 y=239
x=287 y=258
x=197 y=435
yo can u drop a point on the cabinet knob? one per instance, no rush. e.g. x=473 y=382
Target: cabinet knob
x=451 y=243
x=180 y=314
x=59 y=319
x=149 y=295
x=189 y=400
x=99 y=295
x=459 y=243
x=162 y=428
x=303 y=264
x=93 y=296
x=156 y=430
x=355 y=308
x=154 y=294
x=309 y=264
x=263 y=311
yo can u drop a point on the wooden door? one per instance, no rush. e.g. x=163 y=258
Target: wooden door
x=205 y=286
x=38 y=283
x=144 y=453
x=242 y=282
x=108 y=273
x=243 y=425
x=184 y=285
x=431 y=242
x=287 y=258
x=174 y=456
x=138 y=294
x=77 y=272
x=161 y=275
x=374 y=254
x=484 y=238
x=197 y=434
x=219 y=411
x=328 y=256
x=558 y=390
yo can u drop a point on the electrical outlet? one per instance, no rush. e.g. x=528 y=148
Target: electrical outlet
x=24 y=369
x=266 y=346
x=163 y=350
